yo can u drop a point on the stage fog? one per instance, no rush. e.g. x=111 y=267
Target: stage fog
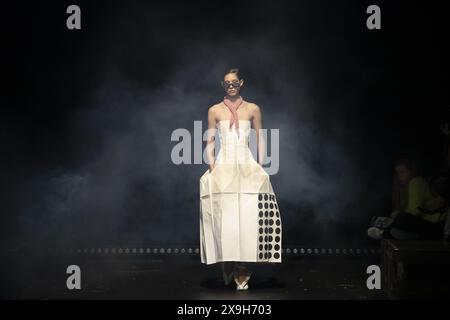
x=91 y=154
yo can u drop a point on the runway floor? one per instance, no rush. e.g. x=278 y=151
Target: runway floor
x=184 y=277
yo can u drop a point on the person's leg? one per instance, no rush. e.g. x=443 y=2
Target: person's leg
x=227 y=271
x=228 y=266
x=407 y=226
x=241 y=271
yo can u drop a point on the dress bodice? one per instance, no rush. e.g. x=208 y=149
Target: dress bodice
x=234 y=148
x=229 y=135
x=236 y=169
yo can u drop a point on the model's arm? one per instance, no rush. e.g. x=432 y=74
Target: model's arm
x=257 y=125
x=210 y=138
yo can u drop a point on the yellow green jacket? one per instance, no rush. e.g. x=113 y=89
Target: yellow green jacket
x=421 y=199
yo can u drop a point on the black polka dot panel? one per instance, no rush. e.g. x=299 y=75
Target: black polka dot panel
x=269 y=229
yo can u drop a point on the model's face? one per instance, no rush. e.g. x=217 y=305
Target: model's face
x=403 y=174
x=232 y=84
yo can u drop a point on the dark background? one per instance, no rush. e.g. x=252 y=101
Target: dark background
x=87 y=116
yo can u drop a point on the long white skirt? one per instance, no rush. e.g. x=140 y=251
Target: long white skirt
x=239 y=215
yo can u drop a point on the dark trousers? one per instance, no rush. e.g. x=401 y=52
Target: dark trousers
x=423 y=229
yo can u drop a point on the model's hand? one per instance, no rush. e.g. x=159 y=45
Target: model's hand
x=211 y=167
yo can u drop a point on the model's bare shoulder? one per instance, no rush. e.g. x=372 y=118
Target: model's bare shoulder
x=251 y=106
x=212 y=109
x=216 y=107
x=255 y=110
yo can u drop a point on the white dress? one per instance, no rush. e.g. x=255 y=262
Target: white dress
x=239 y=215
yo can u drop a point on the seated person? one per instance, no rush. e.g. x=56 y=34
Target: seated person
x=419 y=212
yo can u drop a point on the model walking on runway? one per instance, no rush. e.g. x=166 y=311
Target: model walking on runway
x=240 y=219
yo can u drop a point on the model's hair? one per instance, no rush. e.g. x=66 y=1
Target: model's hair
x=235 y=71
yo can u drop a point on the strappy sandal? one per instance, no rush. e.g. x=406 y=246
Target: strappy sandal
x=244 y=284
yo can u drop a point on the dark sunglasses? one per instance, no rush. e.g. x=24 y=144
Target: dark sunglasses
x=234 y=85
